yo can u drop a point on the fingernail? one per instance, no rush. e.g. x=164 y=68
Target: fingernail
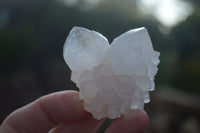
x=132 y=113
x=138 y=114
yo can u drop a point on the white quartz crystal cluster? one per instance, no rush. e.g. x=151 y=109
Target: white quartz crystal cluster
x=112 y=78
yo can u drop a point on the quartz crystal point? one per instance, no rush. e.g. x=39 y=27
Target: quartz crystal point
x=112 y=78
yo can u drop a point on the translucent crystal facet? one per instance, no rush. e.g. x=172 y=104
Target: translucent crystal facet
x=112 y=78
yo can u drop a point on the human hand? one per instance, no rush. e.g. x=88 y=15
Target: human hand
x=64 y=113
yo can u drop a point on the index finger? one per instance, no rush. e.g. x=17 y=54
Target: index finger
x=45 y=113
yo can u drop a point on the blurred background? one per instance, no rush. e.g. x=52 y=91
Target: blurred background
x=33 y=32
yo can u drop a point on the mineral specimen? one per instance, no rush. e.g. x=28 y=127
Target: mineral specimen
x=112 y=78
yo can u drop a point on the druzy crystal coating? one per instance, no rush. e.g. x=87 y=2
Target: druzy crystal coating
x=114 y=78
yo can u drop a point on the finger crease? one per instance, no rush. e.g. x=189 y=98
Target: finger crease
x=10 y=125
x=16 y=129
x=46 y=112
